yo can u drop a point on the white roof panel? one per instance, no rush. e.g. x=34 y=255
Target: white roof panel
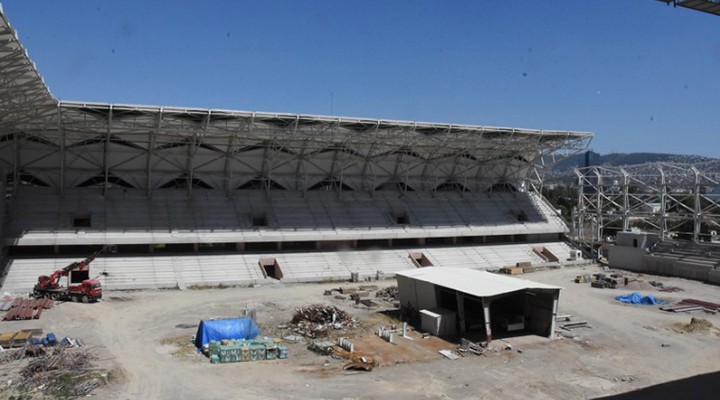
x=471 y=281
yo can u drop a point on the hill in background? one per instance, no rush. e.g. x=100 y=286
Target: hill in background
x=564 y=169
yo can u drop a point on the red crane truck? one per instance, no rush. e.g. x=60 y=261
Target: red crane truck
x=79 y=285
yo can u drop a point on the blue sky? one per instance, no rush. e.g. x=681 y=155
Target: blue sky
x=641 y=75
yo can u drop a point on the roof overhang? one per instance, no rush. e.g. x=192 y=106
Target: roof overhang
x=42 y=129
x=473 y=282
x=708 y=6
x=24 y=97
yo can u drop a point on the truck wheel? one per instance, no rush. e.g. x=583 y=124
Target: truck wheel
x=74 y=298
x=85 y=299
x=54 y=296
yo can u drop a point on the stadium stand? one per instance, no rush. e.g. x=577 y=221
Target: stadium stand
x=144 y=272
x=196 y=197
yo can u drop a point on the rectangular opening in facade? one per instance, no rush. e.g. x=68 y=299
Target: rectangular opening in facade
x=439 y=241
x=270 y=268
x=373 y=244
x=406 y=242
x=76 y=277
x=299 y=245
x=216 y=247
x=177 y=248
x=420 y=260
x=132 y=249
x=261 y=246
x=81 y=221
x=77 y=250
x=402 y=219
x=545 y=254
x=520 y=215
x=259 y=221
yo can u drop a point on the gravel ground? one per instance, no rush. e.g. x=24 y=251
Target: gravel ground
x=142 y=340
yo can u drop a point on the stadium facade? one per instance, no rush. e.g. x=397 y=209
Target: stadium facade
x=207 y=196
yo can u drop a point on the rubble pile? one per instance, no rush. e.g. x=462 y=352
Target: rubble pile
x=390 y=293
x=315 y=320
x=58 y=369
x=62 y=372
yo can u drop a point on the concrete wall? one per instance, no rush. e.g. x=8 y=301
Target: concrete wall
x=714 y=277
x=630 y=249
x=631 y=252
x=659 y=265
x=690 y=270
x=629 y=258
x=416 y=294
x=540 y=313
x=636 y=239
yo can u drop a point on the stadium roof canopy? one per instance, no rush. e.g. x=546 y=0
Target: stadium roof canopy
x=708 y=6
x=23 y=93
x=64 y=144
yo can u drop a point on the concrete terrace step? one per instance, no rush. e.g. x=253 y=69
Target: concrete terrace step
x=243 y=269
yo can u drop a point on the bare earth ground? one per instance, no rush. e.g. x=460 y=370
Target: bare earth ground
x=142 y=338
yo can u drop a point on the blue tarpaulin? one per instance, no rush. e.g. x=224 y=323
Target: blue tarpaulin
x=230 y=328
x=637 y=298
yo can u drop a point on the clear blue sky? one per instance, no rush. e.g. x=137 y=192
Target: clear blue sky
x=641 y=75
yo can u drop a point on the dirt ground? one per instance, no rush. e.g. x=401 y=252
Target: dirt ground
x=143 y=340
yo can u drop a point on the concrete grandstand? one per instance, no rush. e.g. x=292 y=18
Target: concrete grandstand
x=218 y=197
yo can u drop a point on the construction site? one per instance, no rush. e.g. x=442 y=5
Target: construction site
x=165 y=252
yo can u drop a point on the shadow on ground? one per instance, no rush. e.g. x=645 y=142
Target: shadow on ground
x=706 y=386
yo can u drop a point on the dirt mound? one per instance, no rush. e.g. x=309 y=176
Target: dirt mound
x=698 y=325
x=639 y=286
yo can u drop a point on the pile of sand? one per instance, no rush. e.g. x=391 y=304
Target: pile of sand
x=698 y=325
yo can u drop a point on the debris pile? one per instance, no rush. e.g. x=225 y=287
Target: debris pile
x=639 y=286
x=360 y=364
x=62 y=372
x=567 y=323
x=661 y=287
x=466 y=347
x=58 y=369
x=390 y=293
x=23 y=309
x=357 y=362
x=315 y=321
x=612 y=281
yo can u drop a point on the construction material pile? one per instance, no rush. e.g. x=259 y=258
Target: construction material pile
x=613 y=281
x=226 y=351
x=315 y=320
x=693 y=305
x=23 y=309
x=390 y=293
x=62 y=372
x=58 y=369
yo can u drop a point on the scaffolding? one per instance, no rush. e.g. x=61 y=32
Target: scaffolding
x=672 y=200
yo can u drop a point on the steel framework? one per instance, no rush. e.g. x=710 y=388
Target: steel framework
x=670 y=199
x=62 y=144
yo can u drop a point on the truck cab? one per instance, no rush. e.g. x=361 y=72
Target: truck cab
x=89 y=290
